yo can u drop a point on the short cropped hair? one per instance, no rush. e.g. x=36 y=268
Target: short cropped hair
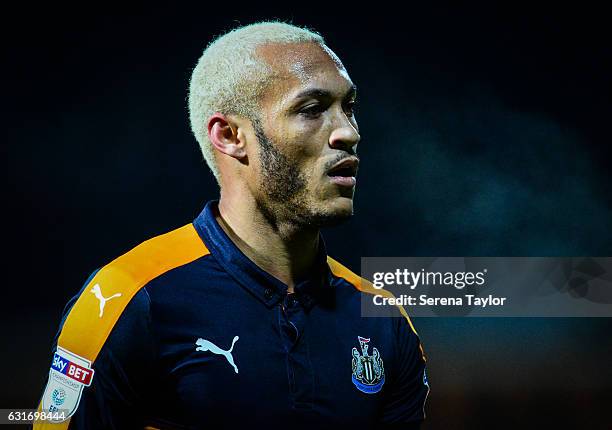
x=229 y=77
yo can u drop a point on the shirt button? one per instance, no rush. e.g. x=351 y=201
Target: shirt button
x=292 y=301
x=268 y=293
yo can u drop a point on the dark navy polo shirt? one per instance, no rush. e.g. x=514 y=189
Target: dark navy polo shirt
x=217 y=340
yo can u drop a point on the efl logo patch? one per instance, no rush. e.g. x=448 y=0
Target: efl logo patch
x=68 y=376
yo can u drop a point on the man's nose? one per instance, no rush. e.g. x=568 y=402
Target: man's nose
x=345 y=136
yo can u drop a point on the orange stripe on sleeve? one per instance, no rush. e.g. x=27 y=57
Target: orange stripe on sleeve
x=363 y=285
x=366 y=286
x=88 y=326
x=91 y=319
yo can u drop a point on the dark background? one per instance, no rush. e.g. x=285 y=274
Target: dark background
x=485 y=132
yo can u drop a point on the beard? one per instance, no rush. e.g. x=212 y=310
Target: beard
x=284 y=196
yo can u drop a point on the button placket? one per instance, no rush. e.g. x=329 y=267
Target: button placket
x=292 y=319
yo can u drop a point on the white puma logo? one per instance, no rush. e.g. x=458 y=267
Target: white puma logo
x=98 y=293
x=206 y=345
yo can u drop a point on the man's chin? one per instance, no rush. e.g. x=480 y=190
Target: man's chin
x=304 y=214
x=339 y=211
x=327 y=219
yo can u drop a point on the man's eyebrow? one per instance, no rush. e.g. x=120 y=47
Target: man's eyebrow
x=320 y=93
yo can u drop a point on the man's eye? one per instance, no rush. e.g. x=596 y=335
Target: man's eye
x=311 y=111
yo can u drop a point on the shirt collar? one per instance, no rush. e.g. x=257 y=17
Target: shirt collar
x=258 y=282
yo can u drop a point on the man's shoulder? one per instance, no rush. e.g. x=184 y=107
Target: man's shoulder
x=158 y=255
x=357 y=282
x=151 y=259
x=104 y=298
x=364 y=287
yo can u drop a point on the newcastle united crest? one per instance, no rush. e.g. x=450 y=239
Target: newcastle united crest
x=368 y=370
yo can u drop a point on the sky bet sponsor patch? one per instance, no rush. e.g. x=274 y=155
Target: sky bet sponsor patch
x=68 y=376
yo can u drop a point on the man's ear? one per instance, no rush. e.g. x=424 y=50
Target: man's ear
x=223 y=133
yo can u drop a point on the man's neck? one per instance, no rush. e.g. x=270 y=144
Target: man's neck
x=285 y=251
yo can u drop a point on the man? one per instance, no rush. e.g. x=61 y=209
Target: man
x=240 y=318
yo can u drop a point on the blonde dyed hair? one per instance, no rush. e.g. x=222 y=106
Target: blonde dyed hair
x=229 y=76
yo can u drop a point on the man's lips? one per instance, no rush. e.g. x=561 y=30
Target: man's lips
x=343 y=173
x=344 y=181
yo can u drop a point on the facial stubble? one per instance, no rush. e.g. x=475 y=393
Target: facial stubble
x=283 y=190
